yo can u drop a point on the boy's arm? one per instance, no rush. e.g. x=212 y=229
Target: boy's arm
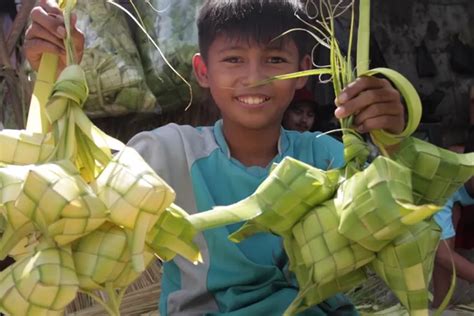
x=464 y=268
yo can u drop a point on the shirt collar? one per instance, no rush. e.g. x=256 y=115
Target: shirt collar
x=283 y=142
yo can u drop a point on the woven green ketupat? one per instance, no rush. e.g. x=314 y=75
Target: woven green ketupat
x=373 y=202
x=135 y=196
x=324 y=261
x=67 y=197
x=111 y=63
x=376 y=207
x=290 y=191
x=60 y=203
x=52 y=197
x=15 y=225
x=75 y=137
x=436 y=172
x=356 y=152
x=103 y=257
x=406 y=265
x=172 y=27
x=41 y=284
x=173 y=231
x=21 y=147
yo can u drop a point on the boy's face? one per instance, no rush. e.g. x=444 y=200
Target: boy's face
x=234 y=65
x=299 y=117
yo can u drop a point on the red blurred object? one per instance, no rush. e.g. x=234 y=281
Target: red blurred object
x=302 y=95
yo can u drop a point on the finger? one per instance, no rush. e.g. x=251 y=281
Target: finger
x=359 y=85
x=365 y=99
x=379 y=109
x=33 y=46
x=52 y=22
x=389 y=123
x=34 y=49
x=50 y=6
x=38 y=32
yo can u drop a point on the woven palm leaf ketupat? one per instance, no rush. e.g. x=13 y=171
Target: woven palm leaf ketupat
x=56 y=200
x=135 y=196
x=291 y=190
x=60 y=203
x=111 y=62
x=383 y=185
x=324 y=261
x=173 y=231
x=363 y=214
x=437 y=172
x=104 y=257
x=172 y=26
x=41 y=284
x=24 y=147
x=75 y=217
x=407 y=263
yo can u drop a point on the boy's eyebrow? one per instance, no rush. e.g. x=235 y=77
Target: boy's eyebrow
x=277 y=46
x=272 y=48
x=225 y=49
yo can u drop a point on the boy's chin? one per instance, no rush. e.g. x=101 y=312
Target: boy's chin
x=258 y=125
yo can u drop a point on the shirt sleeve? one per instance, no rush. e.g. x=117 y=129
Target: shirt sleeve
x=445 y=221
x=328 y=151
x=164 y=150
x=464 y=198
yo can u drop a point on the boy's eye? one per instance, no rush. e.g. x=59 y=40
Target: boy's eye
x=232 y=59
x=276 y=60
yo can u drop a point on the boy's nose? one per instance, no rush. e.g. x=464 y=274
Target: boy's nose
x=253 y=74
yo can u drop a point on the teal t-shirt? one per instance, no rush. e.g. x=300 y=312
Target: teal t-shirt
x=247 y=278
x=444 y=217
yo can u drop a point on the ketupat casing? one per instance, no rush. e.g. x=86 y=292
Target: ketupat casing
x=58 y=207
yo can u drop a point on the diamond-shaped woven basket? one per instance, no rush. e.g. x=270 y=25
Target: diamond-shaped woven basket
x=103 y=257
x=291 y=190
x=406 y=265
x=436 y=172
x=373 y=202
x=40 y=284
x=324 y=261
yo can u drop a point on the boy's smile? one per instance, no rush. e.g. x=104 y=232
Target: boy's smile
x=232 y=68
x=253 y=100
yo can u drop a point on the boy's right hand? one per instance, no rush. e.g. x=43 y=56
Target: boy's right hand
x=46 y=34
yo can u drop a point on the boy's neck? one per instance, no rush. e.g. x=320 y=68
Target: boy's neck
x=252 y=147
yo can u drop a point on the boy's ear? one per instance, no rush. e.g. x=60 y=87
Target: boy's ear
x=305 y=64
x=200 y=70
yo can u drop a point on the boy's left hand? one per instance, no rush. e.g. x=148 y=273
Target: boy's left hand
x=375 y=104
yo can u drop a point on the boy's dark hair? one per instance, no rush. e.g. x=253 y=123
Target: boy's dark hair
x=258 y=20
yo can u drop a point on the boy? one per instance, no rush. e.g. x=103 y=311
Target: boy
x=225 y=163
x=301 y=114
x=446 y=254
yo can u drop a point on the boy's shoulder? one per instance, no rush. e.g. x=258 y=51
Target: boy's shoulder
x=173 y=142
x=315 y=148
x=313 y=140
x=172 y=134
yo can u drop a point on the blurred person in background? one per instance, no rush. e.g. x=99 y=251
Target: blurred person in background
x=301 y=114
x=448 y=219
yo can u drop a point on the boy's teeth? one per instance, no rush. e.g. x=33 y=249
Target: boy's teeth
x=252 y=100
